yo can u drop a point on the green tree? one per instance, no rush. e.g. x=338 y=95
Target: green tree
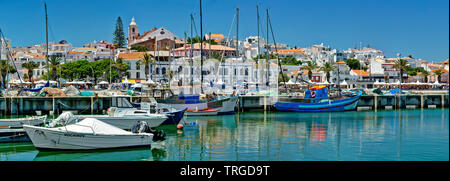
x=412 y=73
x=264 y=57
x=54 y=62
x=327 y=68
x=140 y=48
x=119 y=35
x=218 y=56
x=438 y=72
x=197 y=40
x=148 y=60
x=425 y=75
x=354 y=64
x=401 y=65
x=310 y=67
x=6 y=69
x=30 y=66
x=121 y=67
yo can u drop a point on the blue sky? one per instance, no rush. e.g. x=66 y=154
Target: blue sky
x=410 y=27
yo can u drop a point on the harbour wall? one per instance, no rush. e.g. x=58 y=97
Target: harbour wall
x=99 y=105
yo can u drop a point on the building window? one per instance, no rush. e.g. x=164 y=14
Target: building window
x=163 y=70
x=157 y=71
x=246 y=71
x=138 y=75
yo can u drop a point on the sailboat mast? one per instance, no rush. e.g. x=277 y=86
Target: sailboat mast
x=237 y=32
x=191 y=60
x=257 y=55
x=201 y=47
x=267 y=47
x=46 y=42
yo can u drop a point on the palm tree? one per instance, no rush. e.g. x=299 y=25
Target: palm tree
x=122 y=66
x=5 y=68
x=147 y=60
x=54 y=62
x=327 y=68
x=425 y=75
x=401 y=65
x=30 y=66
x=310 y=68
x=438 y=72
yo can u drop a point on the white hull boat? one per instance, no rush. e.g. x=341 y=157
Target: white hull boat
x=125 y=118
x=19 y=122
x=219 y=107
x=88 y=134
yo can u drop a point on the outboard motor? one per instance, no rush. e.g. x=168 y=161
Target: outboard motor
x=142 y=127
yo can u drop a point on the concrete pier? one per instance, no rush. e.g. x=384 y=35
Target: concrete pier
x=98 y=105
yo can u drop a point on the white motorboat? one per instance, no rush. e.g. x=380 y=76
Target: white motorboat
x=125 y=118
x=87 y=134
x=15 y=123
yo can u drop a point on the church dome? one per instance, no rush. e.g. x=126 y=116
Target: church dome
x=133 y=23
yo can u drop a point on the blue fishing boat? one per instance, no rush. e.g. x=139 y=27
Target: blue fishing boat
x=316 y=100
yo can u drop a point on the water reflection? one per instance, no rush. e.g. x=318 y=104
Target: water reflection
x=382 y=135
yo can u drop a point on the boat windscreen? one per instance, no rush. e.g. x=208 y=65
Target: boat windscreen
x=121 y=102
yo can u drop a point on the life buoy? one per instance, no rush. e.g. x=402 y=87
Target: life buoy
x=313 y=93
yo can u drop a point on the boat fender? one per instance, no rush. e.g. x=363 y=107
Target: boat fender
x=180 y=126
x=313 y=94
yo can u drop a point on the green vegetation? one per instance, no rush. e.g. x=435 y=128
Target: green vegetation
x=81 y=69
x=290 y=61
x=354 y=64
x=197 y=40
x=5 y=69
x=280 y=77
x=310 y=67
x=401 y=65
x=30 y=66
x=438 y=73
x=119 y=35
x=140 y=48
x=148 y=60
x=327 y=68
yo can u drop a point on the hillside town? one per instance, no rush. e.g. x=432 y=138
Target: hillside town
x=358 y=67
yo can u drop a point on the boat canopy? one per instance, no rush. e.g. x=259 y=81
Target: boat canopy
x=94 y=126
x=317 y=92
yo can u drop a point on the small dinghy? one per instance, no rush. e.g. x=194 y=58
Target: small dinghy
x=15 y=123
x=11 y=130
x=88 y=134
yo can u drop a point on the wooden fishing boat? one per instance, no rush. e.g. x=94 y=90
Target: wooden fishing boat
x=316 y=100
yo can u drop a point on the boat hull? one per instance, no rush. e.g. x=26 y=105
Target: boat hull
x=347 y=104
x=127 y=122
x=174 y=117
x=19 y=122
x=225 y=106
x=13 y=135
x=45 y=139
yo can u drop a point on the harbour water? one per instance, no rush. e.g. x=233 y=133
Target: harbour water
x=396 y=135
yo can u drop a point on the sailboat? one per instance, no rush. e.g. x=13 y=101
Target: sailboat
x=216 y=105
